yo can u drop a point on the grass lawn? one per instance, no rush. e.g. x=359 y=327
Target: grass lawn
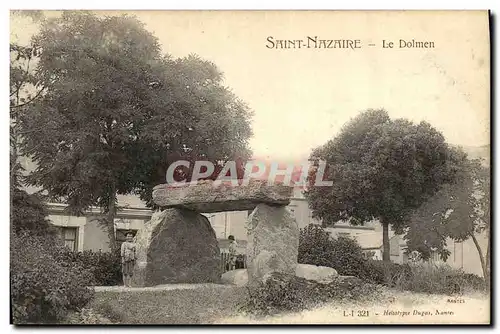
x=391 y=307
x=219 y=304
x=202 y=305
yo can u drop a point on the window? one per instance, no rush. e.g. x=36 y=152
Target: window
x=70 y=237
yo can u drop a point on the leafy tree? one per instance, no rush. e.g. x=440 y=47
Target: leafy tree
x=429 y=228
x=24 y=90
x=459 y=211
x=118 y=112
x=427 y=234
x=28 y=214
x=468 y=212
x=27 y=211
x=211 y=124
x=35 y=15
x=381 y=169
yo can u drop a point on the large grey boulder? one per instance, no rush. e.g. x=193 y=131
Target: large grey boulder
x=177 y=246
x=316 y=273
x=208 y=196
x=238 y=277
x=273 y=241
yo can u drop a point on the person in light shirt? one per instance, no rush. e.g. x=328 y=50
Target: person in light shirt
x=233 y=252
x=128 y=254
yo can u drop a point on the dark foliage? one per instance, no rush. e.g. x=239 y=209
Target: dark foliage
x=28 y=214
x=318 y=248
x=118 y=112
x=104 y=266
x=289 y=293
x=381 y=169
x=440 y=279
x=385 y=273
x=43 y=289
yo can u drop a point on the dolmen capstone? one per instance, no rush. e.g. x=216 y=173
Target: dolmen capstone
x=208 y=197
x=178 y=244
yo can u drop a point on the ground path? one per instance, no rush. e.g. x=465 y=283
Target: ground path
x=218 y=304
x=396 y=307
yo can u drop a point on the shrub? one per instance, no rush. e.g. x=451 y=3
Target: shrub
x=44 y=290
x=87 y=316
x=373 y=271
x=104 y=266
x=421 y=277
x=386 y=273
x=289 y=293
x=317 y=247
x=441 y=279
x=347 y=257
x=474 y=282
x=277 y=294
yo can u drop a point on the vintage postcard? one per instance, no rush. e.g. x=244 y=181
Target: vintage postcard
x=250 y=167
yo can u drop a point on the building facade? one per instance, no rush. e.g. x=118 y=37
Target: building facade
x=89 y=233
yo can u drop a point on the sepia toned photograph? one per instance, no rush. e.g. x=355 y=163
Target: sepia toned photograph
x=250 y=167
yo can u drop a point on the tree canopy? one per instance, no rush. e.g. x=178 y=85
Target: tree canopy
x=381 y=169
x=117 y=111
x=459 y=211
x=28 y=214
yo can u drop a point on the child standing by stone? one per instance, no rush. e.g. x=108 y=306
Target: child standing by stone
x=128 y=258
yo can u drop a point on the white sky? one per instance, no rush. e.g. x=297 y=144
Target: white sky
x=301 y=98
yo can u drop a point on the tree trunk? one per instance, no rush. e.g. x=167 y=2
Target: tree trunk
x=386 y=255
x=111 y=218
x=487 y=262
x=14 y=145
x=14 y=158
x=481 y=257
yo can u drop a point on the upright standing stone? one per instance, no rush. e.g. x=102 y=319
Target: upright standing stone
x=177 y=246
x=273 y=242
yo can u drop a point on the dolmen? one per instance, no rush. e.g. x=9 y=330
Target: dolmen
x=179 y=245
